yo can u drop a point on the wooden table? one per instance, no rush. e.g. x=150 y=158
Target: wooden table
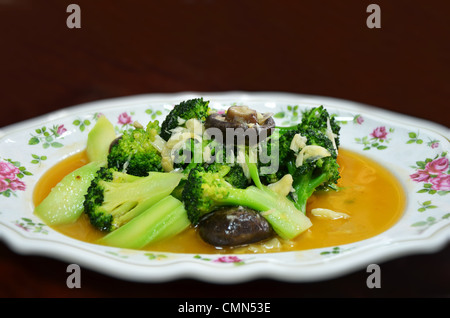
x=309 y=47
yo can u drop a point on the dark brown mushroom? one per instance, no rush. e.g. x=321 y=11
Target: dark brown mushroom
x=240 y=125
x=114 y=142
x=234 y=226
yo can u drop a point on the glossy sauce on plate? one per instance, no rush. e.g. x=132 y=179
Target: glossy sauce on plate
x=370 y=195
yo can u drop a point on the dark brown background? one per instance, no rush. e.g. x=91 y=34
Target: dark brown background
x=310 y=47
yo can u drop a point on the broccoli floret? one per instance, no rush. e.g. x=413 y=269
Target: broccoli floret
x=193 y=108
x=319 y=175
x=269 y=158
x=224 y=161
x=134 y=152
x=317 y=119
x=236 y=176
x=233 y=173
x=217 y=160
x=318 y=171
x=114 y=198
x=186 y=158
x=205 y=191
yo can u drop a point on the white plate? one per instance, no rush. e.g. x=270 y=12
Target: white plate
x=424 y=227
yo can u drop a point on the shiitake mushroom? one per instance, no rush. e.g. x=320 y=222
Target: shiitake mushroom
x=233 y=226
x=114 y=142
x=242 y=122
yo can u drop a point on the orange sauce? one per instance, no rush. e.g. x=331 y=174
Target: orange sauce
x=370 y=195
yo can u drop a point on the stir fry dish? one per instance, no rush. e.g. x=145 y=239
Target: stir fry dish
x=233 y=176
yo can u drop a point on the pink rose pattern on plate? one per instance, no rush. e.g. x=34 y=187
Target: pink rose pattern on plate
x=11 y=174
x=377 y=139
x=225 y=259
x=124 y=119
x=434 y=174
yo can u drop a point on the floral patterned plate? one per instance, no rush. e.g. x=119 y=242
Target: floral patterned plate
x=416 y=151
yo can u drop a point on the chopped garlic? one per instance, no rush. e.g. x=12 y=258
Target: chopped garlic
x=159 y=143
x=282 y=186
x=266 y=213
x=167 y=164
x=261 y=118
x=311 y=152
x=298 y=142
x=332 y=136
x=240 y=159
x=270 y=246
x=207 y=154
x=193 y=130
x=195 y=126
x=137 y=124
x=329 y=214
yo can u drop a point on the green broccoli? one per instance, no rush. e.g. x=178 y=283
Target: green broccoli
x=268 y=159
x=225 y=162
x=193 y=108
x=233 y=173
x=312 y=176
x=114 y=198
x=205 y=191
x=134 y=152
x=217 y=159
x=317 y=119
x=186 y=157
x=308 y=152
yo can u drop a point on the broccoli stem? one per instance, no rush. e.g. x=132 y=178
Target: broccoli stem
x=304 y=187
x=286 y=220
x=162 y=220
x=279 y=211
x=64 y=204
x=127 y=200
